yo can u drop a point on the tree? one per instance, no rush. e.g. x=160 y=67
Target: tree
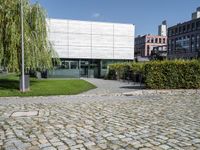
x=38 y=50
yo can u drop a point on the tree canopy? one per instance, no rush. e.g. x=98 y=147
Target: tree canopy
x=38 y=49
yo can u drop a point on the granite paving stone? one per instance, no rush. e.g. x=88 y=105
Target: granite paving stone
x=95 y=121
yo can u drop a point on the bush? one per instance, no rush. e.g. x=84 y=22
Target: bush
x=178 y=74
x=116 y=71
x=125 y=71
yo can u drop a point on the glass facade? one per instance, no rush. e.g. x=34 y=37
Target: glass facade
x=182 y=44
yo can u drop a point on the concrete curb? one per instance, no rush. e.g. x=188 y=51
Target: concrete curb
x=165 y=92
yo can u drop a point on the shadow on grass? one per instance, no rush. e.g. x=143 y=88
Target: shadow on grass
x=9 y=84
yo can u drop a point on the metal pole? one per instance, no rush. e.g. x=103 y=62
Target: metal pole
x=22 y=47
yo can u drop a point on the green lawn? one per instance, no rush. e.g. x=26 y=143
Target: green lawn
x=9 y=86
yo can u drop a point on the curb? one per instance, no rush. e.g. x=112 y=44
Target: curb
x=163 y=92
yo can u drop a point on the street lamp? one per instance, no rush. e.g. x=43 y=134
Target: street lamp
x=22 y=49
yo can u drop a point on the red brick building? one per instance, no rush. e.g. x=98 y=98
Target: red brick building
x=145 y=44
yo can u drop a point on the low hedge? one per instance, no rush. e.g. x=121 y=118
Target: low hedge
x=124 y=70
x=177 y=74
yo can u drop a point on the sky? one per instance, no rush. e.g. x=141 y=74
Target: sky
x=146 y=15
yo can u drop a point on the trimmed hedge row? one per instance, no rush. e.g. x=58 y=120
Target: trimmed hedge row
x=177 y=74
x=124 y=70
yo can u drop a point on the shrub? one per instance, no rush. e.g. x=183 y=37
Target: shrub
x=117 y=71
x=124 y=70
x=178 y=74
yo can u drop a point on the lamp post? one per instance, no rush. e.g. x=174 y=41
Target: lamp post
x=22 y=49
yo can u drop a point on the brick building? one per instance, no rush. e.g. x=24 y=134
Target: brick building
x=145 y=44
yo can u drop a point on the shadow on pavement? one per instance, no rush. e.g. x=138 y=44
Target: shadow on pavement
x=133 y=87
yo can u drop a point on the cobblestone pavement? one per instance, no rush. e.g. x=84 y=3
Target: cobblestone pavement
x=112 y=87
x=114 y=122
x=155 y=122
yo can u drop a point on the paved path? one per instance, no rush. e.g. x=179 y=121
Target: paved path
x=110 y=87
x=96 y=120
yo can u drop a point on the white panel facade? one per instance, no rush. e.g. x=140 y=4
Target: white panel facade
x=91 y=40
x=99 y=52
x=124 y=29
x=80 y=27
x=79 y=52
x=123 y=41
x=102 y=41
x=79 y=39
x=102 y=28
x=58 y=39
x=57 y=25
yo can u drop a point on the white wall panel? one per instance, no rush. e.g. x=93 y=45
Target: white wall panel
x=62 y=51
x=123 y=41
x=61 y=48
x=79 y=52
x=58 y=38
x=123 y=55
x=102 y=40
x=79 y=27
x=58 y=25
x=92 y=40
x=80 y=39
x=102 y=28
x=62 y=54
x=123 y=29
x=102 y=52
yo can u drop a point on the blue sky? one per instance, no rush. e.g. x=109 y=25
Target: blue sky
x=145 y=14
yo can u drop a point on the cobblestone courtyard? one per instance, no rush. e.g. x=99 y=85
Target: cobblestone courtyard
x=101 y=122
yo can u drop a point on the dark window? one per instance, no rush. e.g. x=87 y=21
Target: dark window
x=152 y=40
x=156 y=40
x=193 y=26
x=169 y=32
x=184 y=28
x=160 y=40
x=74 y=65
x=164 y=41
x=180 y=29
x=198 y=43
x=172 y=31
x=148 y=50
x=65 y=64
x=198 y=24
x=188 y=27
x=193 y=43
x=176 y=30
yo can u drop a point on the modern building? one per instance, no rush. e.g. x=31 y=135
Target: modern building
x=162 y=29
x=86 y=48
x=184 y=38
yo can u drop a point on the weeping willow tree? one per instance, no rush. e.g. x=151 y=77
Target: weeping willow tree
x=38 y=50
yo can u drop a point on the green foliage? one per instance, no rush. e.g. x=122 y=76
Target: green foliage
x=178 y=74
x=124 y=70
x=9 y=87
x=117 y=71
x=38 y=50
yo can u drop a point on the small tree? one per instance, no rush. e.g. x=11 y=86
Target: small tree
x=38 y=50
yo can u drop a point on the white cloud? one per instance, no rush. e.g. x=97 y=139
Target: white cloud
x=96 y=15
